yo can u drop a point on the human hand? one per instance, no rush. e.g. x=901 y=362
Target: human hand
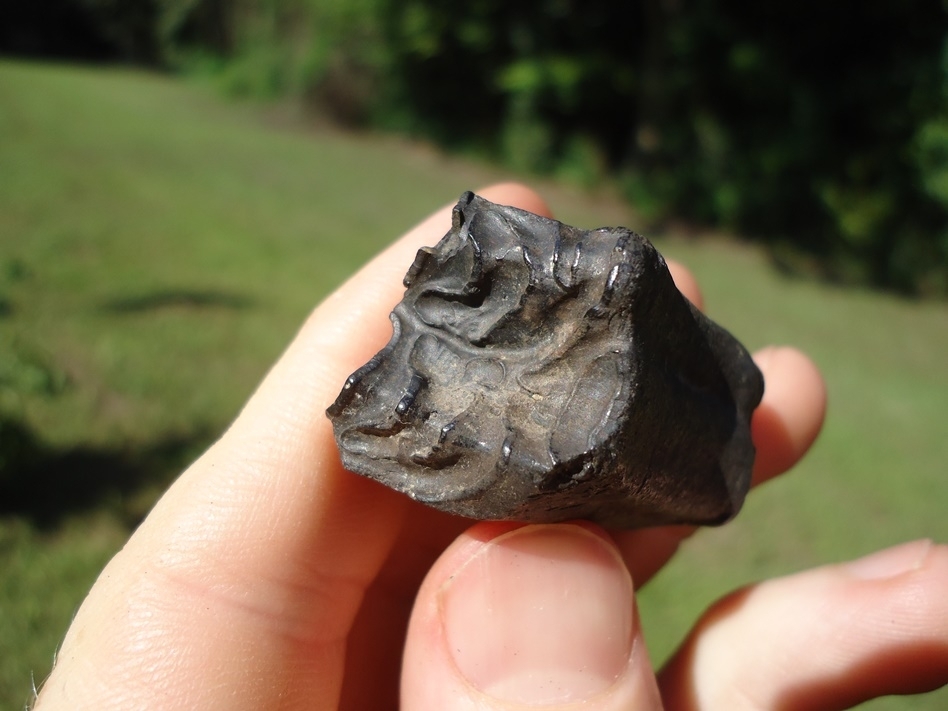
x=268 y=577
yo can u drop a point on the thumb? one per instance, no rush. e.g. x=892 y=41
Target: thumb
x=513 y=616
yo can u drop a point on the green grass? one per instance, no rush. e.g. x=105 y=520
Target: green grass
x=159 y=247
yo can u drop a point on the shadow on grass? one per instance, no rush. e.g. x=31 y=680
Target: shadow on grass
x=46 y=484
x=177 y=298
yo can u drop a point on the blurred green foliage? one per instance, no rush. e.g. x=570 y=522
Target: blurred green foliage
x=819 y=128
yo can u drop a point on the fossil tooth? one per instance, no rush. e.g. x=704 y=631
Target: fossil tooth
x=539 y=372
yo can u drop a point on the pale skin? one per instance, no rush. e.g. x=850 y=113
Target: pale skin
x=267 y=577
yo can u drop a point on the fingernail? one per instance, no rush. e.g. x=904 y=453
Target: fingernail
x=890 y=562
x=541 y=615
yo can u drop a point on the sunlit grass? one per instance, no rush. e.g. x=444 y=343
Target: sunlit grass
x=158 y=248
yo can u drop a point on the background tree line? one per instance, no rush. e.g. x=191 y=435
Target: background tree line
x=820 y=128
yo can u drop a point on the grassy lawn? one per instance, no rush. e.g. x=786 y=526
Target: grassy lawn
x=159 y=247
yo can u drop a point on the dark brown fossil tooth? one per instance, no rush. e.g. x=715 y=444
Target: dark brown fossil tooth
x=538 y=372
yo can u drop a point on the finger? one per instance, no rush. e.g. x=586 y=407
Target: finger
x=822 y=640
x=686 y=282
x=511 y=617
x=244 y=580
x=784 y=426
x=791 y=414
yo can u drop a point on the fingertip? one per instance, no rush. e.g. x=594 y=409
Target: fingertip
x=686 y=282
x=792 y=411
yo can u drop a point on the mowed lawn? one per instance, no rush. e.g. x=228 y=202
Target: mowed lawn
x=160 y=246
